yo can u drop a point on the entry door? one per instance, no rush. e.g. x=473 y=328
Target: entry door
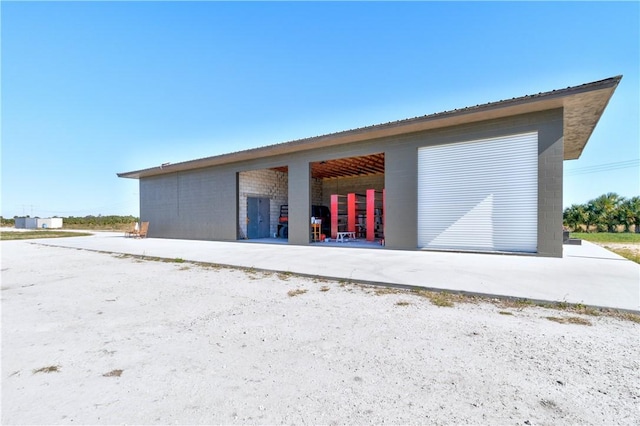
x=258 y=217
x=480 y=195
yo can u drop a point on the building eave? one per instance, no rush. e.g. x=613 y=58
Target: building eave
x=582 y=108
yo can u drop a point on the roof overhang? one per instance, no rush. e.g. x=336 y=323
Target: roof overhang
x=582 y=108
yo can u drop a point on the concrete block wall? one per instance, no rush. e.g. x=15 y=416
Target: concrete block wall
x=550 y=173
x=300 y=201
x=159 y=206
x=316 y=192
x=263 y=183
x=344 y=186
x=198 y=204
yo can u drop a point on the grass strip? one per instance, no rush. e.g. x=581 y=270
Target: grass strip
x=607 y=237
x=31 y=235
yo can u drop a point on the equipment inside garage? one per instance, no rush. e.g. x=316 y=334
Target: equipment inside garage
x=358 y=215
x=358 y=185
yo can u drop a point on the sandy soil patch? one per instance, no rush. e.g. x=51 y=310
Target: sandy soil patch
x=93 y=338
x=632 y=247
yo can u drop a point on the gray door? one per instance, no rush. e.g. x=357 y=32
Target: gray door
x=258 y=217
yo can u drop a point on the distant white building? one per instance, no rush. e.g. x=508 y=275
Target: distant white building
x=38 y=223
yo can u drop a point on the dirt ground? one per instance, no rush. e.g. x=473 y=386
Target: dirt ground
x=95 y=338
x=632 y=247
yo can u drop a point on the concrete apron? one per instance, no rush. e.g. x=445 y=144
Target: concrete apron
x=587 y=274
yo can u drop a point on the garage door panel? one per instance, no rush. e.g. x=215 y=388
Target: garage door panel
x=479 y=195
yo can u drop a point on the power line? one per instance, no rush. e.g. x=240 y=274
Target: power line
x=606 y=167
x=614 y=164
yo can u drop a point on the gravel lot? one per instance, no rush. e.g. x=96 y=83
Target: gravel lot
x=95 y=338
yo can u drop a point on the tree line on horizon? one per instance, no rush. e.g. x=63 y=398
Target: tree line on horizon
x=609 y=212
x=89 y=220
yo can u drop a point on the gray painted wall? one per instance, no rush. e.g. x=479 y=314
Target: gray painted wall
x=300 y=203
x=203 y=203
x=550 y=167
x=199 y=205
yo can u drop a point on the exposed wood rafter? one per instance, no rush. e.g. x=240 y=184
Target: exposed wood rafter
x=345 y=167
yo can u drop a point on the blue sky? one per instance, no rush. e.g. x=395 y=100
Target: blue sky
x=91 y=89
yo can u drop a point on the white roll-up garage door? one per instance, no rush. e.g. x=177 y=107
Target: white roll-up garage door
x=480 y=195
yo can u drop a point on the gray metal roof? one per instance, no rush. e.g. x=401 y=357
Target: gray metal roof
x=582 y=106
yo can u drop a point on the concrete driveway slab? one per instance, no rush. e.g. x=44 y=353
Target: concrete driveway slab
x=587 y=274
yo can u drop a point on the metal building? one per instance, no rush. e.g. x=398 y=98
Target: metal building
x=38 y=223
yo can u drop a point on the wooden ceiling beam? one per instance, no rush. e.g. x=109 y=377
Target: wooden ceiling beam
x=345 y=167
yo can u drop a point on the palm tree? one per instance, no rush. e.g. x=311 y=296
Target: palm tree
x=591 y=215
x=605 y=208
x=575 y=216
x=624 y=215
x=630 y=212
